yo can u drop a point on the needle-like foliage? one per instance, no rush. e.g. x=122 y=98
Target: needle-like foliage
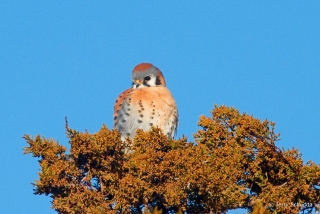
x=233 y=163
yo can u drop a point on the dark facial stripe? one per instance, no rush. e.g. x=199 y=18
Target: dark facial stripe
x=146 y=84
x=158 y=82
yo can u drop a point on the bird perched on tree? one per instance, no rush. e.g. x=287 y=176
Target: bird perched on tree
x=148 y=103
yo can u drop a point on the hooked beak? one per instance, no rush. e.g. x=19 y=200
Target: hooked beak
x=137 y=83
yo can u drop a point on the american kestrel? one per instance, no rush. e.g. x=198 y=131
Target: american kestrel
x=148 y=103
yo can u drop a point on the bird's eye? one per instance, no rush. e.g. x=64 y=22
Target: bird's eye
x=147 y=78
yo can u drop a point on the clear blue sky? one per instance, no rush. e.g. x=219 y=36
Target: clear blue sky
x=73 y=58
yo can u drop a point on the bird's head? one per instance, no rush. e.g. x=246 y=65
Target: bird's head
x=147 y=75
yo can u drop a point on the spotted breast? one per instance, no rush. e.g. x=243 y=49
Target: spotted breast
x=148 y=103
